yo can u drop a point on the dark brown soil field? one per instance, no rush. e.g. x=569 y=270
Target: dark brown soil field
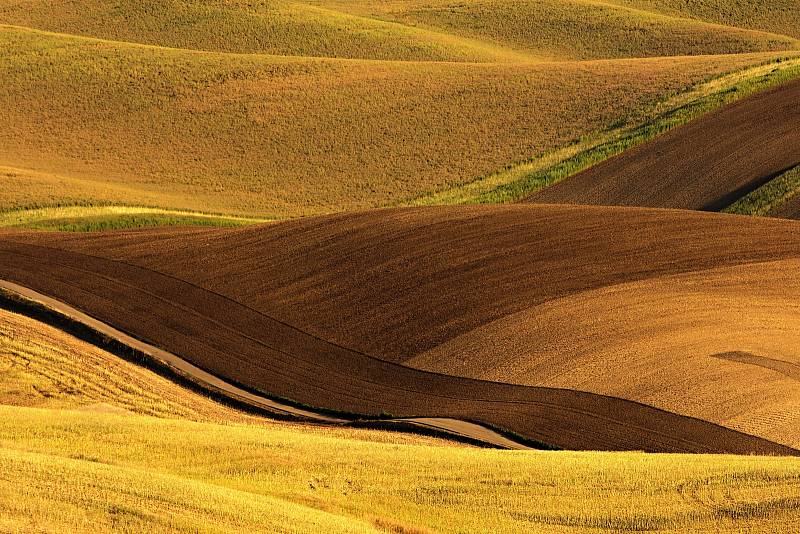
x=705 y=165
x=322 y=311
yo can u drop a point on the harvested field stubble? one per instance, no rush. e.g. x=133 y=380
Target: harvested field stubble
x=145 y=474
x=778 y=16
x=278 y=27
x=581 y=29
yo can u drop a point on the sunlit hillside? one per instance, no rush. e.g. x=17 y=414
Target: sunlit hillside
x=86 y=458
x=588 y=29
x=280 y=109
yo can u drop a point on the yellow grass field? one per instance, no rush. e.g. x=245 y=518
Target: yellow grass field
x=89 y=460
x=581 y=29
x=43 y=367
x=280 y=27
x=779 y=16
x=276 y=137
x=283 y=109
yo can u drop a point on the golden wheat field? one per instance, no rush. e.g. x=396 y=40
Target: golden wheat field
x=779 y=16
x=134 y=452
x=286 y=136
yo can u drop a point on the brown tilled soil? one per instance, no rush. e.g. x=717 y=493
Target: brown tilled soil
x=642 y=340
x=705 y=165
x=321 y=311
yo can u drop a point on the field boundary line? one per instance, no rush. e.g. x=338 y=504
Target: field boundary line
x=454 y=428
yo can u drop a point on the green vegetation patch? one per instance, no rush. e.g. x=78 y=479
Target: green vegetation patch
x=767 y=198
x=98 y=218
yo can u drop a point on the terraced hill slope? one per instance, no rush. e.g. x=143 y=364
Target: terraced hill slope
x=707 y=164
x=332 y=298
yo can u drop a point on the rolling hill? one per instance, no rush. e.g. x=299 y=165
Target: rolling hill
x=131 y=472
x=345 y=299
x=579 y=29
x=279 y=136
x=779 y=16
x=281 y=28
x=92 y=452
x=283 y=109
x=279 y=355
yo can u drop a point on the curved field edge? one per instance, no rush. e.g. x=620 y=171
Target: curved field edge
x=353 y=381
x=63 y=468
x=245 y=398
x=61 y=368
x=521 y=180
x=114 y=217
x=768 y=199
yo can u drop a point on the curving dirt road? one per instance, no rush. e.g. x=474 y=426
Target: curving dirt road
x=455 y=427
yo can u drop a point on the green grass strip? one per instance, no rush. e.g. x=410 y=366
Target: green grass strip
x=533 y=182
x=770 y=196
x=519 y=181
x=99 y=218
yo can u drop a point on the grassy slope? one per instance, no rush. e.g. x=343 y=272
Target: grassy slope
x=361 y=133
x=517 y=181
x=769 y=198
x=594 y=29
x=275 y=27
x=43 y=367
x=411 y=30
x=110 y=108
x=138 y=471
x=777 y=16
x=232 y=473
